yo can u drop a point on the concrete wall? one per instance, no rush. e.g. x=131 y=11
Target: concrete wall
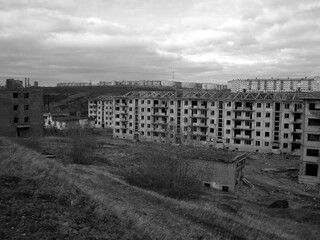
x=221 y=174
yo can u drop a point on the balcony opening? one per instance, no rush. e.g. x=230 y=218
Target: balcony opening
x=313 y=152
x=314 y=106
x=314 y=137
x=313 y=122
x=312 y=169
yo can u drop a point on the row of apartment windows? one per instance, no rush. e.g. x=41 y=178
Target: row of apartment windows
x=16 y=119
x=106 y=118
x=16 y=95
x=228 y=113
x=16 y=107
x=104 y=112
x=257 y=143
x=228 y=104
x=202 y=103
x=104 y=123
x=106 y=108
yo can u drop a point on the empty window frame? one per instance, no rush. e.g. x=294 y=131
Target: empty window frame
x=313 y=122
x=314 y=137
x=312 y=152
x=312 y=169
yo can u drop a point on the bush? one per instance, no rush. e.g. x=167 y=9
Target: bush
x=82 y=145
x=168 y=170
x=31 y=143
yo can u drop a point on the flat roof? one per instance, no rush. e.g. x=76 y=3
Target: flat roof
x=223 y=156
x=220 y=95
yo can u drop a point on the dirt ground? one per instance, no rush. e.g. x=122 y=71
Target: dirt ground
x=273 y=176
x=25 y=203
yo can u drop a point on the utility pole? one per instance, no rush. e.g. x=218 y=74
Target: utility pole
x=173 y=76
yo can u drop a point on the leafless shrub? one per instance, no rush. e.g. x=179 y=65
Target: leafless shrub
x=82 y=144
x=167 y=169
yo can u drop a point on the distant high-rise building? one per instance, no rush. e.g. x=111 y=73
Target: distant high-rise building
x=74 y=84
x=275 y=85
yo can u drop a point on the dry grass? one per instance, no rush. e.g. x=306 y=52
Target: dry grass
x=151 y=214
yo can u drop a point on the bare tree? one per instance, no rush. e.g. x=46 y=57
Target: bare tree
x=167 y=168
x=82 y=144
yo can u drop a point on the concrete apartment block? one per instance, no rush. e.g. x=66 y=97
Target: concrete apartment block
x=260 y=122
x=310 y=156
x=101 y=109
x=21 y=112
x=281 y=123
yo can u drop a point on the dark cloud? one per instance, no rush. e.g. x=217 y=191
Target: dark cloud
x=54 y=41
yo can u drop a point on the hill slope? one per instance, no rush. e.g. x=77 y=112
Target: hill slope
x=73 y=99
x=138 y=214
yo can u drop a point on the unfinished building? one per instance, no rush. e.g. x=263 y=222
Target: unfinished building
x=101 y=109
x=310 y=155
x=21 y=110
x=261 y=122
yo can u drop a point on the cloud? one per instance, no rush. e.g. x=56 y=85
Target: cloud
x=52 y=41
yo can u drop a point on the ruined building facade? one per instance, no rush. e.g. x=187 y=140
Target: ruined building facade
x=310 y=154
x=101 y=109
x=259 y=122
x=287 y=123
x=21 y=112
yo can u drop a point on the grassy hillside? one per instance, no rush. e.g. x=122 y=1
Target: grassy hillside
x=73 y=99
x=129 y=212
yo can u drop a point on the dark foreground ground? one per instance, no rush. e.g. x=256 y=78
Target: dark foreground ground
x=30 y=211
x=43 y=198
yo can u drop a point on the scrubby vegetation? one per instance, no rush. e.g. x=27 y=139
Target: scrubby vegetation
x=168 y=170
x=82 y=145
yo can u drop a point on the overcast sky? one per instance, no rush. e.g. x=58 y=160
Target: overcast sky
x=54 y=41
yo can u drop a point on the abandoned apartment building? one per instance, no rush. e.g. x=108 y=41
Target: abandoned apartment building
x=21 y=110
x=310 y=154
x=260 y=122
x=254 y=122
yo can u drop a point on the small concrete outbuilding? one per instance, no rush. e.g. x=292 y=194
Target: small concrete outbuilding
x=223 y=171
